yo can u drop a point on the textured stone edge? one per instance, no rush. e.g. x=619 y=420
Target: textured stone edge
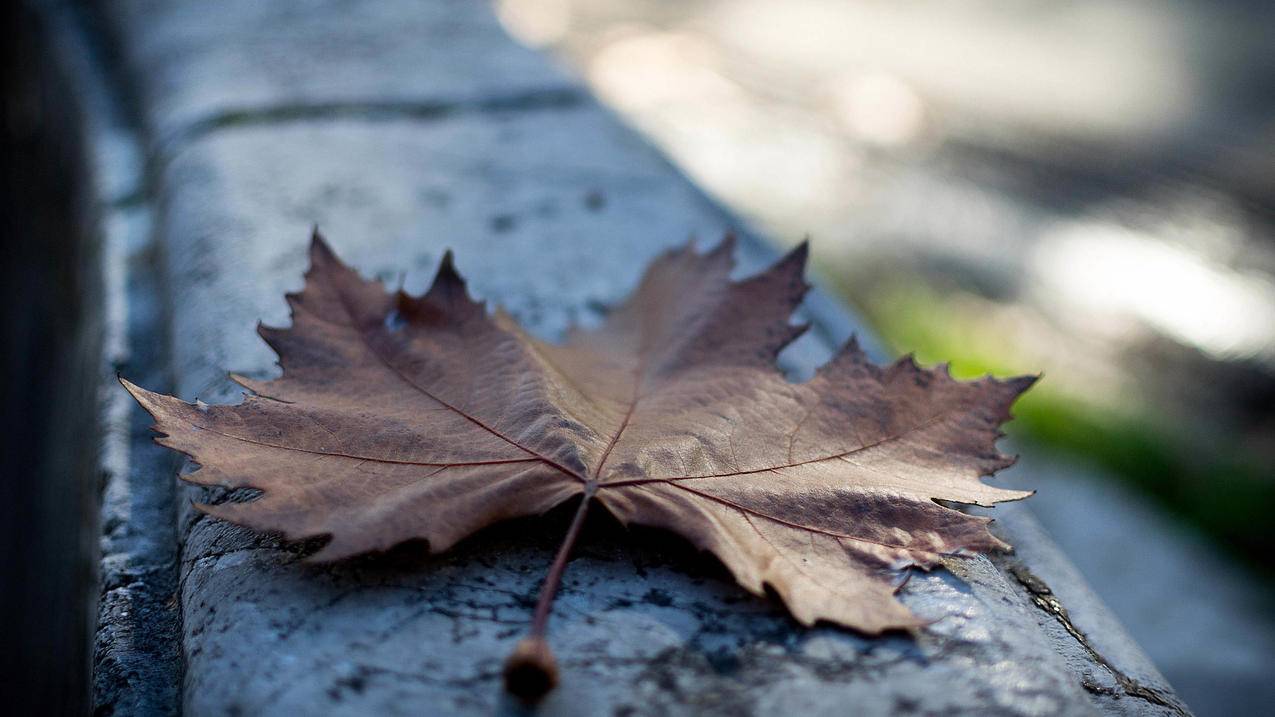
x=1109 y=665
x=135 y=652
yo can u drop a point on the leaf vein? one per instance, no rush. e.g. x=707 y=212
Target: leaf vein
x=349 y=312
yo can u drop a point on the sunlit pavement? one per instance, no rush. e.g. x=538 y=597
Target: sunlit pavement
x=1084 y=189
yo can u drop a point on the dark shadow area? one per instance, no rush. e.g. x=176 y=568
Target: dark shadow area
x=48 y=457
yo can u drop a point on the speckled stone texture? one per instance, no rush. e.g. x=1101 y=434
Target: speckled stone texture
x=403 y=129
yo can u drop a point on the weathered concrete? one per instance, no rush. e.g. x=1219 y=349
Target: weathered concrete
x=1213 y=640
x=553 y=208
x=206 y=67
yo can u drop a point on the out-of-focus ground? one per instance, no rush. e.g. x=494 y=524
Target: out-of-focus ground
x=1084 y=188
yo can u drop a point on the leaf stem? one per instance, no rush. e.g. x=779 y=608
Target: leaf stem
x=531 y=670
x=540 y=620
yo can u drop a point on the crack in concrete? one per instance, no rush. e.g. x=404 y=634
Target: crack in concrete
x=1044 y=598
x=552 y=98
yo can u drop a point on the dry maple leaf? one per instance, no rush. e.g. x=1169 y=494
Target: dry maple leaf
x=401 y=417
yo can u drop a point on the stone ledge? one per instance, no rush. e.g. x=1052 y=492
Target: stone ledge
x=553 y=209
x=199 y=61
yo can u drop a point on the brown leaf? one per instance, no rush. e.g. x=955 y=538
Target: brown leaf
x=400 y=417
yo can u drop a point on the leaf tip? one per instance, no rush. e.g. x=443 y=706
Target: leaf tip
x=531 y=671
x=802 y=250
x=794 y=264
x=1024 y=382
x=448 y=291
x=147 y=399
x=719 y=258
x=319 y=246
x=447 y=277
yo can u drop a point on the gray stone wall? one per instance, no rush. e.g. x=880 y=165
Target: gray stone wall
x=401 y=130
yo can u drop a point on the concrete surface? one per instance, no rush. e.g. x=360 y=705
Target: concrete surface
x=1196 y=611
x=552 y=207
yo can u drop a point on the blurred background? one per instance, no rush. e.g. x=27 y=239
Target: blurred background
x=1084 y=189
